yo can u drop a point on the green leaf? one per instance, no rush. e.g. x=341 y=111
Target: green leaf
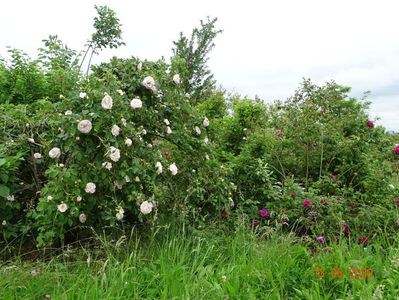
x=4 y=191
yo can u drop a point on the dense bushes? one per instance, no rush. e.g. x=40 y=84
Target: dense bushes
x=135 y=143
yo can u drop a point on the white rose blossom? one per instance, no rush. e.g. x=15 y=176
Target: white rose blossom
x=166 y=121
x=115 y=153
x=115 y=130
x=206 y=140
x=68 y=113
x=206 y=122
x=10 y=198
x=149 y=83
x=197 y=130
x=37 y=155
x=120 y=214
x=128 y=142
x=90 y=188
x=127 y=178
x=146 y=207
x=49 y=198
x=85 y=126
x=173 y=169
x=120 y=92
x=55 y=152
x=83 y=95
x=176 y=79
x=137 y=179
x=79 y=198
x=136 y=103
x=62 y=207
x=82 y=218
x=168 y=130
x=107 y=102
x=159 y=167
x=107 y=165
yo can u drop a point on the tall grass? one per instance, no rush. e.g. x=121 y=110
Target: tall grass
x=178 y=263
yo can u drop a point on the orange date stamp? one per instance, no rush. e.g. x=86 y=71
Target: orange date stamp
x=338 y=273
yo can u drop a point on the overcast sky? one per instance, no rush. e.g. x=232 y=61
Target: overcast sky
x=267 y=47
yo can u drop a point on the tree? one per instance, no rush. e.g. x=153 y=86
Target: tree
x=107 y=35
x=191 y=57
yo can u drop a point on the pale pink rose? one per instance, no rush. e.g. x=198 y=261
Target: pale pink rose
x=62 y=207
x=173 y=169
x=136 y=103
x=107 y=102
x=85 y=126
x=115 y=130
x=55 y=152
x=90 y=188
x=82 y=218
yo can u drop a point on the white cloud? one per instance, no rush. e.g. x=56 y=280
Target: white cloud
x=266 y=48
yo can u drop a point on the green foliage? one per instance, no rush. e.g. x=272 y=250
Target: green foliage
x=108 y=29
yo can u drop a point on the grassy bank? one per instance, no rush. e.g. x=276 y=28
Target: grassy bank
x=182 y=264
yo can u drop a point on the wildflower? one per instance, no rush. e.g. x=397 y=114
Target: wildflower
x=224 y=214
x=307 y=203
x=137 y=179
x=128 y=142
x=124 y=122
x=397 y=202
x=279 y=133
x=323 y=202
x=166 y=121
x=197 y=130
x=120 y=92
x=231 y=201
x=136 y=103
x=78 y=198
x=34 y=273
x=159 y=167
x=187 y=95
x=146 y=207
x=173 y=169
x=49 y=198
x=37 y=155
x=115 y=153
x=363 y=240
x=31 y=140
x=62 y=207
x=255 y=224
x=176 y=79
x=370 y=124
x=206 y=156
x=115 y=130
x=120 y=214
x=264 y=213
x=149 y=83
x=206 y=140
x=346 y=230
x=206 y=122
x=83 y=95
x=82 y=218
x=168 y=130
x=10 y=198
x=55 y=152
x=396 y=149
x=127 y=178
x=90 y=188
x=61 y=96
x=61 y=165
x=84 y=126
x=4 y=223
x=139 y=66
x=320 y=239
x=107 y=165
x=68 y=113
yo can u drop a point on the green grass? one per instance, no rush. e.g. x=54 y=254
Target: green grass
x=211 y=264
